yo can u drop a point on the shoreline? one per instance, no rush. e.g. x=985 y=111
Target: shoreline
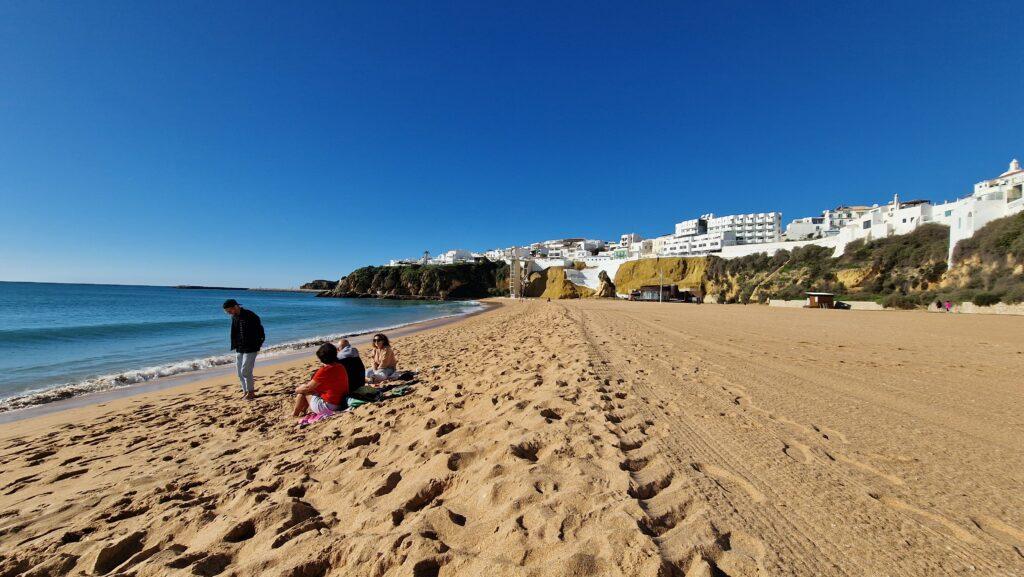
x=285 y=359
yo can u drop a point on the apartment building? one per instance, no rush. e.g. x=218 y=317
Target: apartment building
x=752 y=228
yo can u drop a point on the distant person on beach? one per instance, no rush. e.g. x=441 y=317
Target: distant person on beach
x=949 y=306
x=348 y=356
x=383 y=360
x=328 y=387
x=247 y=338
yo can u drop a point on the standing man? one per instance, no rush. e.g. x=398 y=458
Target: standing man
x=246 y=339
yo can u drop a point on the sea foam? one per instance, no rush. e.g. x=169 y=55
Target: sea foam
x=132 y=377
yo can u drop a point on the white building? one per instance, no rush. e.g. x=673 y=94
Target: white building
x=693 y=226
x=752 y=228
x=995 y=198
x=453 y=256
x=628 y=239
x=828 y=224
x=505 y=254
x=695 y=245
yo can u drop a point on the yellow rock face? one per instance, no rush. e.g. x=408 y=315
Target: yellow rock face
x=684 y=272
x=551 y=283
x=852 y=277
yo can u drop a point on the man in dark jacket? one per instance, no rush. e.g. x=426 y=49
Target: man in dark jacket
x=247 y=337
x=354 y=367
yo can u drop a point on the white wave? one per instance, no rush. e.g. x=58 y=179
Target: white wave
x=133 y=377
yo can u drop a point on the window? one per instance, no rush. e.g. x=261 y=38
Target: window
x=867 y=224
x=949 y=213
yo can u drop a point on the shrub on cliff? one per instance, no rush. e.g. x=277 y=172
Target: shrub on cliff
x=1014 y=295
x=455 y=281
x=985 y=299
x=995 y=241
x=901 y=301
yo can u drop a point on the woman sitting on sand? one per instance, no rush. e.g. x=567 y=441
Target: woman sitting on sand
x=383 y=360
x=327 y=390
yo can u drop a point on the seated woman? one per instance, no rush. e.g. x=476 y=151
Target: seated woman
x=383 y=360
x=327 y=390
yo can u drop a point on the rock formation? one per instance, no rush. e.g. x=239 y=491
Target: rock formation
x=320 y=285
x=425 y=282
x=605 y=286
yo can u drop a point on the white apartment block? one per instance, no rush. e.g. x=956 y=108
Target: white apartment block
x=753 y=228
x=694 y=245
x=627 y=240
x=693 y=226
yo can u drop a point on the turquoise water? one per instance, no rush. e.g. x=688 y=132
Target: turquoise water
x=64 y=339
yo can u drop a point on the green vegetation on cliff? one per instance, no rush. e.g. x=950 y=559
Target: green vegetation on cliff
x=905 y=264
x=434 y=282
x=989 y=266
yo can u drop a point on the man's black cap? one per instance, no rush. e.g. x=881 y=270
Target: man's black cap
x=230 y=303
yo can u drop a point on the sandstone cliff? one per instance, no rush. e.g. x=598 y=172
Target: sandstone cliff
x=551 y=283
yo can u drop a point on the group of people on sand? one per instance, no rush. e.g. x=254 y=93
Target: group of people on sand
x=341 y=372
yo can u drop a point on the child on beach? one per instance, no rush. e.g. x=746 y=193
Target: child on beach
x=383 y=360
x=327 y=390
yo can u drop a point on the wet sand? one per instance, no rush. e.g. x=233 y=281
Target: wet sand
x=564 y=438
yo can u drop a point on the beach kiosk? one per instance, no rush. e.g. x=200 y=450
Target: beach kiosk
x=821 y=300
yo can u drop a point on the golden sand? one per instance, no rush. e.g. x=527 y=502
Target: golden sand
x=565 y=438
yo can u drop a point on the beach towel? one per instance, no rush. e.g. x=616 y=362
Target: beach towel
x=383 y=394
x=317 y=417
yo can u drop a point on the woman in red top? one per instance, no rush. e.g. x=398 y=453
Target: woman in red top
x=327 y=390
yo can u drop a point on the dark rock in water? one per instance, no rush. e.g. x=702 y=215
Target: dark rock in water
x=424 y=282
x=320 y=285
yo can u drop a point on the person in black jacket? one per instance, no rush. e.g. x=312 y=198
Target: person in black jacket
x=349 y=357
x=247 y=338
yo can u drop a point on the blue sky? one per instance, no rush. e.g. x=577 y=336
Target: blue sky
x=266 y=144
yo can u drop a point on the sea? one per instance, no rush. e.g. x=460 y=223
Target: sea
x=63 y=340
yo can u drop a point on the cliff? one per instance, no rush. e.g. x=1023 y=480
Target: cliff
x=425 y=282
x=908 y=264
x=320 y=285
x=684 y=272
x=551 y=283
x=989 y=266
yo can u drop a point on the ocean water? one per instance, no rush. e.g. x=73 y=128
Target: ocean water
x=62 y=340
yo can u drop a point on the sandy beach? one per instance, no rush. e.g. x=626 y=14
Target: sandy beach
x=564 y=438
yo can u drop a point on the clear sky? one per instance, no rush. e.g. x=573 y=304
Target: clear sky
x=266 y=144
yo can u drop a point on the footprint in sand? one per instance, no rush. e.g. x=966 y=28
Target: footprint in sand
x=631 y=442
x=729 y=481
x=740 y=554
x=926 y=518
x=791 y=425
x=829 y=434
x=649 y=482
x=864 y=467
x=660 y=519
x=797 y=451
x=1000 y=531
